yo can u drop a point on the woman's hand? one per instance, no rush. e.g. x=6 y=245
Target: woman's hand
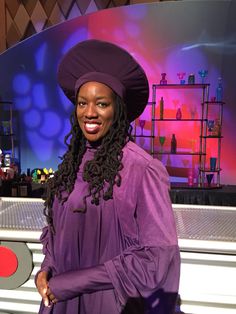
x=43 y=289
x=51 y=297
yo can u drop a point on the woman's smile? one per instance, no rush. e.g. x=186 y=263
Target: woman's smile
x=92 y=128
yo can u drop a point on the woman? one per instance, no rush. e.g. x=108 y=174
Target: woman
x=110 y=245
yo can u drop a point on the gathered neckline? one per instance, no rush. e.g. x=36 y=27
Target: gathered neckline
x=93 y=145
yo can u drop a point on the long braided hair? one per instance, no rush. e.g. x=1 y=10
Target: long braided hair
x=104 y=167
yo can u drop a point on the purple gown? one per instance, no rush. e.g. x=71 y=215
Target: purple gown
x=121 y=256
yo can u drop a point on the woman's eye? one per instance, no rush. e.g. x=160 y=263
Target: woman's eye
x=81 y=104
x=102 y=104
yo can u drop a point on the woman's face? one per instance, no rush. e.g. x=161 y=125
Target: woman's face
x=95 y=110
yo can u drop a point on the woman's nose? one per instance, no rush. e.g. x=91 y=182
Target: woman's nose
x=91 y=111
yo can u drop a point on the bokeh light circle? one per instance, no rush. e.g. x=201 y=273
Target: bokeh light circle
x=32 y=119
x=51 y=124
x=21 y=84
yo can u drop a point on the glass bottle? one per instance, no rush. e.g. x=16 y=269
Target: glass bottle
x=178 y=114
x=191 y=78
x=161 y=108
x=7 y=160
x=219 y=90
x=173 y=144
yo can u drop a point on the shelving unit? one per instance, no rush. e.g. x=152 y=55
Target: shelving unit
x=6 y=132
x=203 y=120
x=204 y=135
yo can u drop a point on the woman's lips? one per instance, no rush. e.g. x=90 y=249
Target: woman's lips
x=91 y=127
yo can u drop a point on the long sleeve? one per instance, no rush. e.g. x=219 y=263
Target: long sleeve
x=73 y=283
x=152 y=266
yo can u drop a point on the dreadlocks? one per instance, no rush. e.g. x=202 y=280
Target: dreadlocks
x=103 y=168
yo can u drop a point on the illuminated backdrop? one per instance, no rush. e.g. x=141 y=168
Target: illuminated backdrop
x=166 y=37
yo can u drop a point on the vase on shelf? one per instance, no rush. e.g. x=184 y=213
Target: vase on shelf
x=213 y=163
x=142 y=124
x=219 y=90
x=162 y=141
x=209 y=178
x=163 y=80
x=210 y=125
x=178 y=114
x=181 y=76
x=213 y=99
x=173 y=148
x=203 y=75
x=161 y=108
x=216 y=131
x=191 y=79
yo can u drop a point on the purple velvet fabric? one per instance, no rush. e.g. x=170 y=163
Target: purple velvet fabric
x=121 y=256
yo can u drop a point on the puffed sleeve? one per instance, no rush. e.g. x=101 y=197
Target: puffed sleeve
x=46 y=239
x=47 y=263
x=152 y=266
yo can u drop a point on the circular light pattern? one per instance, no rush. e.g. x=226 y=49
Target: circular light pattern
x=8 y=262
x=51 y=124
x=32 y=119
x=21 y=84
x=22 y=103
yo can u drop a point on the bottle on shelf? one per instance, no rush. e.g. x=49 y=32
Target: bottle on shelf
x=191 y=78
x=178 y=114
x=219 y=90
x=7 y=160
x=217 y=128
x=173 y=144
x=162 y=108
x=163 y=80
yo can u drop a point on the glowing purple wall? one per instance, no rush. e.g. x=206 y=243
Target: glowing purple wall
x=164 y=37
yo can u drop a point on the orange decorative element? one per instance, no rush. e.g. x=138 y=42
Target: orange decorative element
x=8 y=262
